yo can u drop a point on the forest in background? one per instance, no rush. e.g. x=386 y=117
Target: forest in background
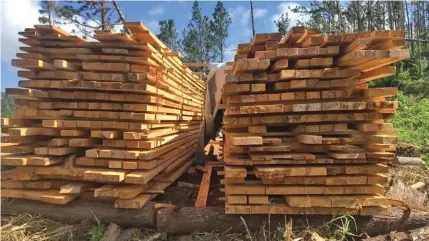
x=204 y=41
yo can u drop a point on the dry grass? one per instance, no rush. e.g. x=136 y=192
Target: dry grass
x=410 y=175
x=340 y=228
x=26 y=227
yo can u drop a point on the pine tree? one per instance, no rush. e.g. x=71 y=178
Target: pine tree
x=168 y=34
x=7 y=105
x=88 y=16
x=47 y=8
x=324 y=15
x=219 y=27
x=283 y=23
x=197 y=38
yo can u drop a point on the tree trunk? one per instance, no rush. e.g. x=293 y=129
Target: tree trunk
x=186 y=220
x=190 y=219
x=359 y=17
x=389 y=7
x=369 y=16
x=415 y=234
x=103 y=16
x=79 y=210
x=412 y=161
x=340 y=19
x=251 y=18
x=221 y=51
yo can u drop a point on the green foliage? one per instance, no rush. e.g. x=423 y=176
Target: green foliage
x=219 y=27
x=7 y=105
x=168 y=34
x=47 y=8
x=97 y=232
x=283 y=23
x=412 y=120
x=327 y=16
x=86 y=16
x=197 y=38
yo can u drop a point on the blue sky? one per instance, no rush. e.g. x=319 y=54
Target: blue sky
x=149 y=12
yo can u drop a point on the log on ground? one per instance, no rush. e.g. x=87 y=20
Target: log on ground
x=187 y=220
x=190 y=219
x=80 y=209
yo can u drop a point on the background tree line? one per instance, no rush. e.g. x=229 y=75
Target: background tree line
x=202 y=41
x=204 y=38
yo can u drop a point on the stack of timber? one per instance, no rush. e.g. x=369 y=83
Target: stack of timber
x=116 y=119
x=303 y=132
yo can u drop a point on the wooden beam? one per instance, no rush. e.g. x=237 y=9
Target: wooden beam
x=204 y=187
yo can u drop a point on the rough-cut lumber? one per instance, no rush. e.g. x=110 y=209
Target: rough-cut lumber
x=100 y=115
x=309 y=124
x=204 y=187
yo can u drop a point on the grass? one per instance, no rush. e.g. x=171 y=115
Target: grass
x=339 y=228
x=26 y=227
x=97 y=232
x=410 y=175
x=412 y=120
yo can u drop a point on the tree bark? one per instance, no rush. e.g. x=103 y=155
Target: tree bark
x=411 y=161
x=189 y=219
x=397 y=220
x=252 y=19
x=80 y=209
x=415 y=234
x=103 y=16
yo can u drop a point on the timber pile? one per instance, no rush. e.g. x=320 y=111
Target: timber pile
x=117 y=119
x=304 y=133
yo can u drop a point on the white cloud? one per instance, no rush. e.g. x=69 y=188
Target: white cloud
x=156 y=11
x=18 y=15
x=260 y=12
x=153 y=25
x=15 y=17
x=247 y=32
x=230 y=52
x=73 y=29
x=242 y=15
x=118 y=28
x=284 y=8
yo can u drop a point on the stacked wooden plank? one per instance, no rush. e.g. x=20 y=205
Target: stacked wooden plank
x=117 y=118
x=304 y=133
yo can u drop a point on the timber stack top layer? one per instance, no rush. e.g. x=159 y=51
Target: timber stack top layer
x=116 y=118
x=303 y=132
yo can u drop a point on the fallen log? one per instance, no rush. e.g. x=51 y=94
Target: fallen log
x=415 y=234
x=80 y=209
x=397 y=219
x=190 y=219
x=187 y=220
x=413 y=161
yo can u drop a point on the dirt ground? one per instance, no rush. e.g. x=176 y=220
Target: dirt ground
x=182 y=196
